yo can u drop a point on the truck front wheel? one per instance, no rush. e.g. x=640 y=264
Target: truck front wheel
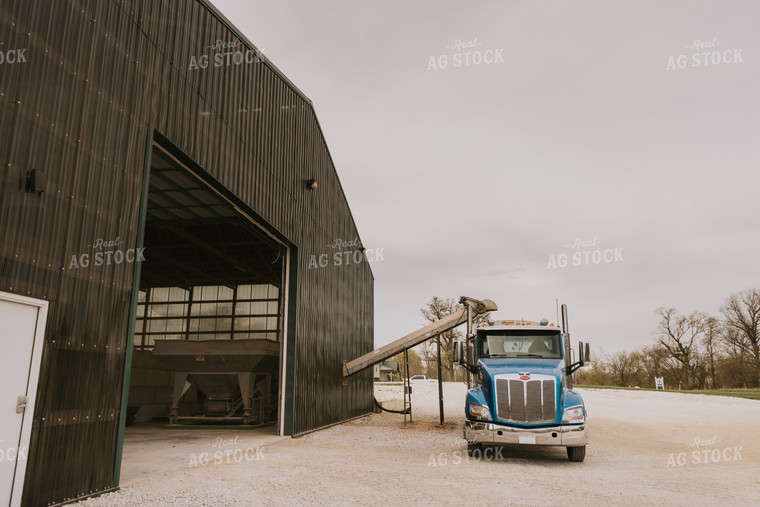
x=576 y=453
x=472 y=447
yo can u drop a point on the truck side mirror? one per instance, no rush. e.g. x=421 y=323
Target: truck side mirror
x=582 y=353
x=458 y=352
x=588 y=354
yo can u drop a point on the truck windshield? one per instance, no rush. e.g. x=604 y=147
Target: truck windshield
x=538 y=344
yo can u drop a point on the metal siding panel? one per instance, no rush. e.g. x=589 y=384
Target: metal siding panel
x=96 y=74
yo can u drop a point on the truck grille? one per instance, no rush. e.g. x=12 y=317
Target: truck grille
x=526 y=401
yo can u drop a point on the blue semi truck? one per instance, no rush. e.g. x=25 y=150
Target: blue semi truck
x=521 y=386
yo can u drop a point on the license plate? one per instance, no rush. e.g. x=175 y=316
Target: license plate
x=526 y=439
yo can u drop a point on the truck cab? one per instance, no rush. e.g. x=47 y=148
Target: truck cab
x=521 y=387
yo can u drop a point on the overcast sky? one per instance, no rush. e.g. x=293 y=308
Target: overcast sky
x=585 y=125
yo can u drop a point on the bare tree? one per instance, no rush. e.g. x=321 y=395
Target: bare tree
x=436 y=309
x=620 y=367
x=654 y=363
x=415 y=364
x=680 y=335
x=600 y=372
x=741 y=313
x=712 y=340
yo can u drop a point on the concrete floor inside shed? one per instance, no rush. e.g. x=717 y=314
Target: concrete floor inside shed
x=150 y=449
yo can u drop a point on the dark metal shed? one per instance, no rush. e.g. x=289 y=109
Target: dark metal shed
x=93 y=90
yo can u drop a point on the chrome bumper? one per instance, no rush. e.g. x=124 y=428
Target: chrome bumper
x=497 y=434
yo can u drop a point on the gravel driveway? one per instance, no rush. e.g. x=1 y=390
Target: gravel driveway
x=651 y=448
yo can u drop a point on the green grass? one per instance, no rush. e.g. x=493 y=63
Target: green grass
x=749 y=394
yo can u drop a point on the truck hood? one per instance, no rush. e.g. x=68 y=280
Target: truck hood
x=489 y=368
x=502 y=366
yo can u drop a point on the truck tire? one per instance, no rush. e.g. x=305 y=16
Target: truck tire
x=576 y=453
x=475 y=448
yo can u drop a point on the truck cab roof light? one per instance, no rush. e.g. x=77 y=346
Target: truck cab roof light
x=543 y=322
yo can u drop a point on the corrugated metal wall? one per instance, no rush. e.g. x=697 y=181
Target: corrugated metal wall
x=95 y=75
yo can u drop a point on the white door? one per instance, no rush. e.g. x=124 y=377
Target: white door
x=22 y=323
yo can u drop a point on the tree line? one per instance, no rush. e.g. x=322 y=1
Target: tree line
x=693 y=351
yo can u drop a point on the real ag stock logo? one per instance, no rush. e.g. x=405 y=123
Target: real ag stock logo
x=705 y=451
x=346 y=252
x=227 y=451
x=459 y=454
x=11 y=56
x=585 y=252
x=107 y=252
x=12 y=453
x=465 y=54
x=224 y=54
x=704 y=54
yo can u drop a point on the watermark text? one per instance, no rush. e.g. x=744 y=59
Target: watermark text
x=704 y=53
x=224 y=54
x=346 y=252
x=705 y=451
x=106 y=252
x=584 y=253
x=465 y=54
x=12 y=56
x=224 y=453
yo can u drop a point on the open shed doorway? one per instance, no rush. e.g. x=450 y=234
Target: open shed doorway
x=208 y=340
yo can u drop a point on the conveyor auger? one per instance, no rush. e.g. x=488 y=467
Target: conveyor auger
x=471 y=306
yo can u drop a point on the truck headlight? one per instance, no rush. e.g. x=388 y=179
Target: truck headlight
x=573 y=414
x=479 y=411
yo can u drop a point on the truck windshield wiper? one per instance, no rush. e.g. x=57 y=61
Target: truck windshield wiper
x=529 y=355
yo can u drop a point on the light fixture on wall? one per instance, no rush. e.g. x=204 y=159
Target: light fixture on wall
x=311 y=184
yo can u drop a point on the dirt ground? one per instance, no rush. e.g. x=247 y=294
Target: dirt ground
x=651 y=448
